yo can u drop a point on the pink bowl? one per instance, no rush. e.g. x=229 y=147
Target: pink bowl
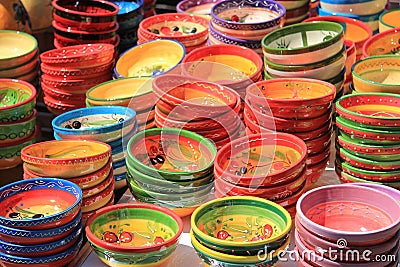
x=386 y=189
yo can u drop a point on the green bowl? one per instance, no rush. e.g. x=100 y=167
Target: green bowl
x=369 y=158
x=16 y=131
x=173 y=154
x=17 y=100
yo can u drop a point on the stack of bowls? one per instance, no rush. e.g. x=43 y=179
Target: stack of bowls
x=92 y=21
x=206 y=108
x=134 y=234
x=368 y=138
x=171 y=168
x=383 y=43
x=67 y=73
x=136 y=93
x=129 y=16
x=296 y=11
x=245 y=23
x=198 y=8
x=17 y=120
x=267 y=165
x=19 y=58
x=190 y=30
x=308 y=50
x=113 y=125
x=377 y=74
x=40 y=223
x=240 y=231
x=85 y=163
x=347 y=225
x=150 y=59
x=389 y=20
x=302 y=107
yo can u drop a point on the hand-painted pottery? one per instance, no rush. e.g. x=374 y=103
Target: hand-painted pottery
x=293 y=4
x=319 y=144
x=319 y=156
x=102 y=186
x=171 y=153
x=136 y=234
x=377 y=74
x=17 y=100
x=287 y=45
x=40 y=203
x=72 y=83
x=291 y=97
x=66 y=159
x=76 y=72
x=388 y=190
x=92 y=15
x=389 y=20
x=349 y=212
x=351 y=57
x=150 y=59
x=20 y=70
x=17 y=48
x=98 y=200
x=263 y=224
x=11 y=132
x=359 y=8
x=314 y=172
x=386 y=42
x=69 y=32
x=56 y=107
x=199 y=8
x=62 y=95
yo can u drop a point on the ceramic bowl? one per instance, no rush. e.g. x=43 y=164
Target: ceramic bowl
x=382 y=43
x=18 y=100
x=29 y=204
x=93 y=15
x=62 y=95
x=247 y=16
x=11 y=132
x=388 y=20
x=360 y=229
x=285 y=46
x=130 y=13
x=17 y=48
x=79 y=73
x=100 y=199
x=106 y=123
x=150 y=149
x=134 y=92
x=21 y=70
x=289 y=98
x=238 y=162
x=77 y=86
x=377 y=74
x=66 y=158
x=293 y=4
x=64 y=33
x=202 y=8
x=150 y=59
x=155 y=231
x=59 y=259
x=359 y=8
x=267 y=224
x=386 y=189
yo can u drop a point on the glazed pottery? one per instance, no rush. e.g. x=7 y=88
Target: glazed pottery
x=358 y=229
x=383 y=43
x=66 y=158
x=287 y=46
x=390 y=191
x=159 y=230
x=11 y=132
x=150 y=59
x=359 y=8
x=17 y=48
x=173 y=154
x=21 y=70
x=247 y=161
x=377 y=74
x=100 y=199
x=389 y=20
x=199 y=8
x=29 y=204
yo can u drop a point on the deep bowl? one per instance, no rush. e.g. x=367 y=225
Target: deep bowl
x=359 y=8
x=17 y=48
x=112 y=229
x=18 y=99
x=389 y=20
x=150 y=59
x=66 y=158
x=360 y=229
x=11 y=132
x=386 y=189
x=188 y=154
x=383 y=43
x=40 y=203
x=105 y=123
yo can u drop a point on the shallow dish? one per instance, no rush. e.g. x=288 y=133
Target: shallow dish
x=383 y=43
x=286 y=46
x=16 y=48
x=66 y=159
x=150 y=59
x=389 y=20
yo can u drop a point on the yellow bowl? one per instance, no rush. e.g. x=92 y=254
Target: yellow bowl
x=65 y=158
x=150 y=59
x=377 y=74
x=389 y=20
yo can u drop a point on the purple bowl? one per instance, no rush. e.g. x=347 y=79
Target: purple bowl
x=185 y=5
x=240 y=4
x=351 y=214
x=383 y=188
x=226 y=39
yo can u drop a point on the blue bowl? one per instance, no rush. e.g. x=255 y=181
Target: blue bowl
x=119 y=164
x=45 y=222
x=365 y=18
x=120 y=177
x=110 y=128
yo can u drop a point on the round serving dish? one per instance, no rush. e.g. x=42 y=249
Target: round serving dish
x=383 y=43
x=389 y=20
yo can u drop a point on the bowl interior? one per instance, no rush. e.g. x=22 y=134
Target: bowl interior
x=150 y=59
x=383 y=43
x=14 y=44
x=134 y=227
x=94 y=121
x=13 y=93
x=379 y=70
x=391 y=18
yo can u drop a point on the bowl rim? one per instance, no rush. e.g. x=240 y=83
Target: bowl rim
x=177 y=132
x=194 y=3
x=302 y=217
x=376 y=37
x=26 y=53
x=73 y=30
x=303 y=27
x=359 y=170
x=26 y=84
x=385 y=13
x=112 y=247
x=197 y=231
x=380 y=187
x=362 y=61
x=55 y=4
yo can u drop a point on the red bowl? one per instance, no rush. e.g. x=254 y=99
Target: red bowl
x=100 y=199
x=86 y=215
x=315 y=146
x=57 y=108
x=62 y=19
x=65 y=102
x=59 y=94
x=226 y=167
x=252 y=124
x=318 y=157
x=314 y=172
x=292 y=200
x=306 y=136
x=71 y=84
x=75 y=72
